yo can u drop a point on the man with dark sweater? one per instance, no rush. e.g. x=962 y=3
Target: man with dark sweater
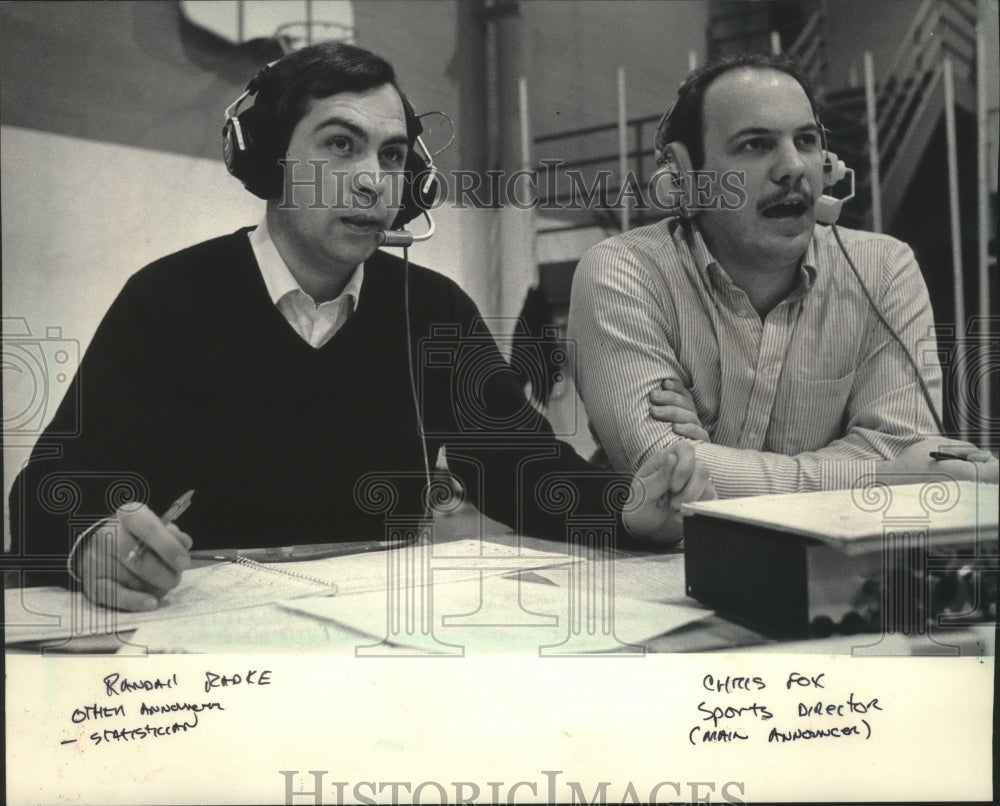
x=278 y=369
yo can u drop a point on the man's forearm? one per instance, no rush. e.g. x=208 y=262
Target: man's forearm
x=737 y=472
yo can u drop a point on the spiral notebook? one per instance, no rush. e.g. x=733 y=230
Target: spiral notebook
x=43 y=614
x=50 y=613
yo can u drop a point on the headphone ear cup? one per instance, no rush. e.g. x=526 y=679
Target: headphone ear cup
x=256 y=163
x=834 y=169
x=231 y=151
x=421 y=185
x=672 y=181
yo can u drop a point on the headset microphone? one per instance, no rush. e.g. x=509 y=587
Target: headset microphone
x=400 y=237
x=388 y=237
x=834 y=170
x=425 y=193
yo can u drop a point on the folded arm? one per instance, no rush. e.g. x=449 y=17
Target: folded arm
x=515 y=470
x=624 y=347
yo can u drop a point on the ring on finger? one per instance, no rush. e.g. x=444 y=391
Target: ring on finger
x=137 y=552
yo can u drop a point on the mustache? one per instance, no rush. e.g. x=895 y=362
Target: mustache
x=797 y=195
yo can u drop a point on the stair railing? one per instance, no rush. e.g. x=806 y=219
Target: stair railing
x=809 y=47
x=916 y=68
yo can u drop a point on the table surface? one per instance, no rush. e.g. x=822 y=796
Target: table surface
x=272 y=628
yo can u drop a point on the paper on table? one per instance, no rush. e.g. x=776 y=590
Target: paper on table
x=505 y=614
x=49 y=613
x=363 y=577
x=654 y=577
x=41 y=614
x=271 y=629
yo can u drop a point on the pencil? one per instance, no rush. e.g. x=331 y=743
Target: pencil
x=173 y=513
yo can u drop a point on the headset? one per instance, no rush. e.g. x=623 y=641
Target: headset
x=252 y=151
x=674 y=164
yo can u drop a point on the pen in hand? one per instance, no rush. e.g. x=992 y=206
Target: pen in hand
x=173 y=513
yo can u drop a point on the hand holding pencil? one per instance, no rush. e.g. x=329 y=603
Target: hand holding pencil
x=135 y=564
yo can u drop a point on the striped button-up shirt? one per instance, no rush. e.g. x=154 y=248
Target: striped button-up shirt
x=806 y=399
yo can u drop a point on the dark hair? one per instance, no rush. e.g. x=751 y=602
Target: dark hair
x=686 y=122
x=286 y=90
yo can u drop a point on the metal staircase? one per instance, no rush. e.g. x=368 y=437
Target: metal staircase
x=909 y=104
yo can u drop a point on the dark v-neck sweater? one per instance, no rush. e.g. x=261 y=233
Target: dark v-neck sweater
x=194 y=380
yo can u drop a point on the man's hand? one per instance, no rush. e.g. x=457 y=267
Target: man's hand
x=667 y=479
x=135 y=566
x=976 y=464
x=672 y=403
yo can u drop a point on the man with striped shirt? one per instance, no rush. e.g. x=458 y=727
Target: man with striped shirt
x=744 y=329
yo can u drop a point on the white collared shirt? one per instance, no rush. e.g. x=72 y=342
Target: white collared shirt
x=316 y=324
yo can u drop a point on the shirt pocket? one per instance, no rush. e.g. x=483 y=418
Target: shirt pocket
x=809 y=414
